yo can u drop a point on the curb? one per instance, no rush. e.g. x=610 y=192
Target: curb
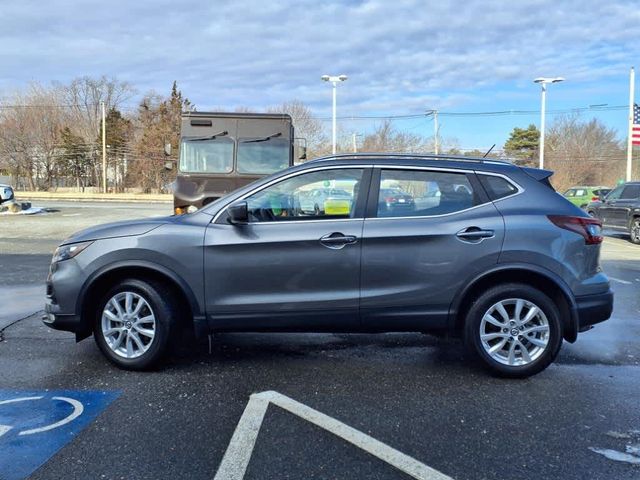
x=98 y=198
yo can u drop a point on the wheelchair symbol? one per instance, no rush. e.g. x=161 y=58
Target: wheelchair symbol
x=78 y=408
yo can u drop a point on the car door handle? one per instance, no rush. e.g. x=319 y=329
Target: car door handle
x=337 y=240
x=474 y=233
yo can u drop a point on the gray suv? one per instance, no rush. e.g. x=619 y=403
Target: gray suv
x=486 y=250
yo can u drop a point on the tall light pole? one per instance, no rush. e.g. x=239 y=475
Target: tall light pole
x=334 y=80
x=543 y=81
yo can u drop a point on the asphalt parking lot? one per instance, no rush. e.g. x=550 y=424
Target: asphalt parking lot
x=417 y=394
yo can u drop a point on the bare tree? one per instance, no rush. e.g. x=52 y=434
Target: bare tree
x=583 y=153
x=386 y=138
x=82 y=97
x=30 y=135
x=306 y=126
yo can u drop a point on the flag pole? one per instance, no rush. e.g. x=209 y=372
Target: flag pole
x=632 y=78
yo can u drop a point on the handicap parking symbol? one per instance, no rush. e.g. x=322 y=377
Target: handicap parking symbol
x=35 y=425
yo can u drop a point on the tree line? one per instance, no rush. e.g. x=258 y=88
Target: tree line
x=50 y=137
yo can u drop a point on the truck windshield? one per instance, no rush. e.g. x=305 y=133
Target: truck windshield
x=263 y=155
x=207 y=156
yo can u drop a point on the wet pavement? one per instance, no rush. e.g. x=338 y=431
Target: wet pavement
x=418 y=394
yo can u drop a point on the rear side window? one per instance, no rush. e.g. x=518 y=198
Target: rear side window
x=631 y=191
x=497 y=187
x=412 y=193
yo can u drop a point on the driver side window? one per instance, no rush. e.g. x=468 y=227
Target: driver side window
x=324 y=194
x=615 y=193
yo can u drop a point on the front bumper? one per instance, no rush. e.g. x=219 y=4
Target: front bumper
x=592 y=309
x=60 y=321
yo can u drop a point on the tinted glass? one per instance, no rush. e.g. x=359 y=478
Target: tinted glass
x=325 y=194
x=631 y=191
x=615 y=193
x=256 y=155
x=421 y=193
x=498 y=187
x=207 y=156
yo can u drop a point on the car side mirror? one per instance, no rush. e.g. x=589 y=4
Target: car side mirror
x=238 y=213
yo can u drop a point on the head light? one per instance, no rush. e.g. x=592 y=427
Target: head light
x=65 y=252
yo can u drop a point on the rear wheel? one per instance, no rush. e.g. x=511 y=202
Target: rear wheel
x=134 y=323
x=514 y=329
x=634 y=231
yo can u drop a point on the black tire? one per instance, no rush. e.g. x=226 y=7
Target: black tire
x=634 y=230
x=491 y=297
x=161 y=303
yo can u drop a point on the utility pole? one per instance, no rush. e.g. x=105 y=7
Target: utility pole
x=104 y=148
x=435 y=131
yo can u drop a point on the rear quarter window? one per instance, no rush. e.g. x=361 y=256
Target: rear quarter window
x=497 y=187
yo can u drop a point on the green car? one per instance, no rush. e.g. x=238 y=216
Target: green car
x=581 y=196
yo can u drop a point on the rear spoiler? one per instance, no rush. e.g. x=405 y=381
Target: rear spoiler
x=540 y=175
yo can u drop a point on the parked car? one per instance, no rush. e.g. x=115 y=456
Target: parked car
x=508 y=265
x=581 y=196
x=620 y=210
x=393 y=200
x=319 y=200
x=6 y=193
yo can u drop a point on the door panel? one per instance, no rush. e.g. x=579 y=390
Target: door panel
x=282 y=276
x=291 y=267
x=413 y=266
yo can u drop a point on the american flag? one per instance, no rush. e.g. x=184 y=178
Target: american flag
x=635 y=129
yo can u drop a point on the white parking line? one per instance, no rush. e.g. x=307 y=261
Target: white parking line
x=236 y=458
x=625 y=282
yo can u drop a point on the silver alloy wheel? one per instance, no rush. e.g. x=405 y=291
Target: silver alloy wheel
x=128 y=324
x=635 y=231
x=514 y=332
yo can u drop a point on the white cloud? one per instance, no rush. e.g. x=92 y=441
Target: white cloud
x=401 y=56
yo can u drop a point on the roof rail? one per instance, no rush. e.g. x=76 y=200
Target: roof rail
x=417 y=156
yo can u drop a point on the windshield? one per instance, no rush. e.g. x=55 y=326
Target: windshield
x=207 y=156
x=256 y=155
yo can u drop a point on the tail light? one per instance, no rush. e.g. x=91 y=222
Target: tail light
x=390 y=199
x=589 y=228
x=595 y=199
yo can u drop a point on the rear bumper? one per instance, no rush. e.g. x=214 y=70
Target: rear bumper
x=592 y=309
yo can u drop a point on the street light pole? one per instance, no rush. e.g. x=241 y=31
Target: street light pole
x=543 y=81
x=543 y=115
x=334 y=80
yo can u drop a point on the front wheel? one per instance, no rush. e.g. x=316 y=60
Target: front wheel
x=634 y=231
x=134 y=323
x=514 y=329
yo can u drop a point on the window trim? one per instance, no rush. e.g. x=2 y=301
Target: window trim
x=366 y=180
x=372 y=205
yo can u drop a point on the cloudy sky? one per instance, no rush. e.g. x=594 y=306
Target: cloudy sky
x=402 y=57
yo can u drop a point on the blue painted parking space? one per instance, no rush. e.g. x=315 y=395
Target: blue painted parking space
x=34 y=425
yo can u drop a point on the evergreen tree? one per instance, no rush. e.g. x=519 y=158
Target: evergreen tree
x=523 y=143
